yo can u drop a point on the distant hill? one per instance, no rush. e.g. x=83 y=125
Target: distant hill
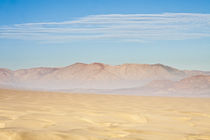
x=198 y=85
x=150 y=78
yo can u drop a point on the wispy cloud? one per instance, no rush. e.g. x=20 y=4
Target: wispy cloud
x=127 y=27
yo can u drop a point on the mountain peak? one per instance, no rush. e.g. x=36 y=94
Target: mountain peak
x=101 y=65
x=78 y=63
x=93 y=75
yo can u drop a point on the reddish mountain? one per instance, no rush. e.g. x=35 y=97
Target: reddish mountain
x=94 y=76
x=198 y=85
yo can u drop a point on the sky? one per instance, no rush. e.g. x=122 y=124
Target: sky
x=57 y=33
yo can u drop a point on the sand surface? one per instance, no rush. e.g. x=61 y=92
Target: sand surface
x=27 y=115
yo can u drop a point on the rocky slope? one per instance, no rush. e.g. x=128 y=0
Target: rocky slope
x=100 y=76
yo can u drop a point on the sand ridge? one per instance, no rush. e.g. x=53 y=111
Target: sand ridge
x=30 y=115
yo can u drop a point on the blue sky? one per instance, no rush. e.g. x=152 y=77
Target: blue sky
x=52 y=33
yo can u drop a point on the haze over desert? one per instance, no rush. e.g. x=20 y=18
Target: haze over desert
x=138 y=79
x=104 y=69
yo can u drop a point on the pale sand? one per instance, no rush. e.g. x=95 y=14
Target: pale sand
x=27 y=115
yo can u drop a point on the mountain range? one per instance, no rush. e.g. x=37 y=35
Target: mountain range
x=98 y=77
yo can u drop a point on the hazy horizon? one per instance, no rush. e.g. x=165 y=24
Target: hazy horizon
x=104 y=69
x=61 y=66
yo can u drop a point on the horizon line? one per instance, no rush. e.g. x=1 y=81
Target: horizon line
x=100 y=63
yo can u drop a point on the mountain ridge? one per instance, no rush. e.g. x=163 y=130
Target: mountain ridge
x=93 y=76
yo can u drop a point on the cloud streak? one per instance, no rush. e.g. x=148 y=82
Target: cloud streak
x=122 y=27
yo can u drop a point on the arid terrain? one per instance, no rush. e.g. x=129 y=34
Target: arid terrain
x=138 y=79
x=33 y=115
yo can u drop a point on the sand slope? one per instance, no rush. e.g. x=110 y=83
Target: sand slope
x=27 y=115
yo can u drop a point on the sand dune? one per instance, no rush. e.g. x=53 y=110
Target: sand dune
x=27 y=115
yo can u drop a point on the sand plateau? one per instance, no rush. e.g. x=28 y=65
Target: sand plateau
x=30 y=115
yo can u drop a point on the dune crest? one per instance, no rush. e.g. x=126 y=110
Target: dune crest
x=30 y=115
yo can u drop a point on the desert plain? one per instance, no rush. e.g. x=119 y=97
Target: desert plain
x=34 y=115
